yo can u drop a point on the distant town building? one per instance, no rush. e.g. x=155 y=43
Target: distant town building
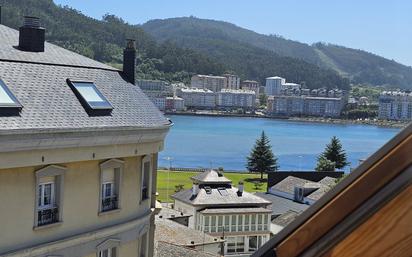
x=197 y=98
x=395 y=105
x=232 y=81
x=221 y=210
x=230 y=98
x=213 y=83
x=157 y=91
x=274 y=85
x=251 y=85
x=284 y=105
x=174 y=103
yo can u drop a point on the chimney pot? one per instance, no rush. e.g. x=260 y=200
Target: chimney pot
x=129 y=61
x=195 y=189
x=240 y=188
x=31 y=35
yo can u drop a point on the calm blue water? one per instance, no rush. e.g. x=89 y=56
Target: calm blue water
x=200 y=141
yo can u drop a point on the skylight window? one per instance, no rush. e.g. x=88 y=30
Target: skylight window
x=9 y=105
x=91 y=98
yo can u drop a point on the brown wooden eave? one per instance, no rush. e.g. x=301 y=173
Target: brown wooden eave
x=368 y=186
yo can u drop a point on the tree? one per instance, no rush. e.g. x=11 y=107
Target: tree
x=261 y=158
x=325 y=164
x=335 y=153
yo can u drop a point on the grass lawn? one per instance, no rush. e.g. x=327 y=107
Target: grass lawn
x=183 y=178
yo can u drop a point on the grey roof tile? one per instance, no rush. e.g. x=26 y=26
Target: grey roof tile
x=211 y=177
x=52 y=54
x=217 y=199
x=164 y=249
x=282 y=205
x=175 y=233
x=50 y=104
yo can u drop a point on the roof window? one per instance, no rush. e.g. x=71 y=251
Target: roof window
x=9 y=105
x=91 y=98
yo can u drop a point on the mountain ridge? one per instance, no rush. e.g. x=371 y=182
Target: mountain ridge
x=358 y=65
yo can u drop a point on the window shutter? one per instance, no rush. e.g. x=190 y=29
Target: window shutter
x=108 y=175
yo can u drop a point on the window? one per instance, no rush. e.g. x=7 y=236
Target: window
x=235 y=244
x=9 y=105
x=108 y=252
x=108 y=248
x=240 y=244
x=206 y=223
x=253 y=243
x=253 y=221
x=49 y=188
x=146 y=170
x=260 y=222
x=233 y=223
x=213 y=224
x=110 y=178
x=90 y=97
x=220 y=223
x=247 y=224
x=240 y=223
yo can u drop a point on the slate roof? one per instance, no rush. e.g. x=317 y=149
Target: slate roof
x=167 y=213
x=215 y=198
x=235 y=210
x=210 y=177
x=288 y=184
x=282 y=205
x=172 y=232
x=52 y=54
x=164 y=249
x=284 y=219
x=38 y=80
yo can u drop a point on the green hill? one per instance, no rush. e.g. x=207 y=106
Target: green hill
x=359 y=66
x=104 y=40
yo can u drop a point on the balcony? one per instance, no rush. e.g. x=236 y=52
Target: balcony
x=109 y=203
x=48 y=216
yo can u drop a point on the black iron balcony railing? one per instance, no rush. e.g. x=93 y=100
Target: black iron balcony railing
x=47 y=216
x=109 y=203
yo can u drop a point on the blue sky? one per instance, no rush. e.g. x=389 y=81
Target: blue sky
x=383 y=27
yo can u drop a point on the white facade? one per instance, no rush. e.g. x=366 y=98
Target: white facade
x=229 y=98
x=274 y=85
x=213 y=83
x=174 y=103
x=395 y=106
x=197 y=98
x=232 y=81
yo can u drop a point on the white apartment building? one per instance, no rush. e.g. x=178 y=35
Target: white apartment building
x=285 y=105
x=221 y=210
x=197 y=98
x=274 y=85
x=230 y=98
x=174 y=103
x=395 y=105
x=232 y=81
x=213 y=83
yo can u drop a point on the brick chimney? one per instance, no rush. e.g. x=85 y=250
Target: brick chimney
x=129 y=61
x=31 y=35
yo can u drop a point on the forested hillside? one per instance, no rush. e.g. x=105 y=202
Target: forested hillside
x=104 y=40
x=359 y=66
